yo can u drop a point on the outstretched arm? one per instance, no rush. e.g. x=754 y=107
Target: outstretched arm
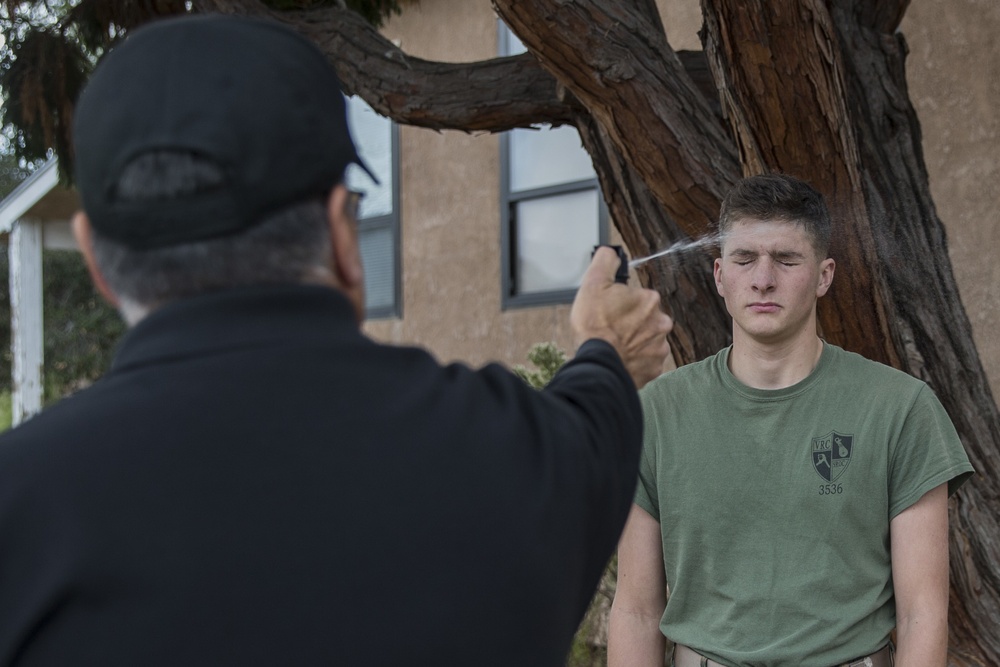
x=634 y=637
x=919 y=544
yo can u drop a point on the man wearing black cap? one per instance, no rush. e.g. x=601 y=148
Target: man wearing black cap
x=256 y=482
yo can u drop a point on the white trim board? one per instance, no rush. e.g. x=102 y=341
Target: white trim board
x=28 y=193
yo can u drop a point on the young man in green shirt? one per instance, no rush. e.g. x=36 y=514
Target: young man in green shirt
x=792 y=495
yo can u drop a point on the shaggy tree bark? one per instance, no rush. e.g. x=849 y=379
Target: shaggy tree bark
x=810 y=87
x=835 y=110
x=816 y=89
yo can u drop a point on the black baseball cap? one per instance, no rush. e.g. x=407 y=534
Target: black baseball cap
x=252 y=96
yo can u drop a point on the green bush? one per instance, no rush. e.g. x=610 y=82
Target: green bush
x=5 y=410
x=547 y=359
x=80 y=329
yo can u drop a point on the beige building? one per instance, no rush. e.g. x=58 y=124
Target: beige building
x=455 y=237
x=460 y=294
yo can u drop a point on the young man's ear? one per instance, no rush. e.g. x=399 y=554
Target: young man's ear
x=347 y=267
x=717 y=272
x=826 y=270
x=83 y=232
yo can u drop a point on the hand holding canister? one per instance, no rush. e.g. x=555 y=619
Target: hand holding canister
x=629 y=318
x=621 y=276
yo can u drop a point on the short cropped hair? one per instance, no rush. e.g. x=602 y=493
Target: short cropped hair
x=782 y=198
x=283 y=248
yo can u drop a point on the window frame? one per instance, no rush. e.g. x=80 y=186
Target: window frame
x=509 y=200
x=390 y=221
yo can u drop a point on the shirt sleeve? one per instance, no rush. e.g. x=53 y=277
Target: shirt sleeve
x=646 y=495
x=603 y=412
x=603 y=395
x=927 y=453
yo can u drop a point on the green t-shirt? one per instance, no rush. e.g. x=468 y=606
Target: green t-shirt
x=774 y=505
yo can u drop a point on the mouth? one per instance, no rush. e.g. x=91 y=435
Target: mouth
x=764 y=307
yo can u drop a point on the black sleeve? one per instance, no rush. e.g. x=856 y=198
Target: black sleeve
x=596 y=383
x=544 y=482
x=603 y=398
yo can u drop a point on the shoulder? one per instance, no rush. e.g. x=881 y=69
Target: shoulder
x=702 y=378
x=860 y=372
x=41 y=460
x=47 y=434
x=698 y=373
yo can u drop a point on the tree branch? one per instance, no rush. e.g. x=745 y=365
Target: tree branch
x=883 y=16
x=492 y=95
x=687 y=288
x=673 y=139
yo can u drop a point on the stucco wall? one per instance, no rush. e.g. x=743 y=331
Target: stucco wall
x=953 y=72
x=450 y=212
x=451 y=201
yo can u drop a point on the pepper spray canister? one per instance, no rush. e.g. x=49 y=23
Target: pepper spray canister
x=621 y=276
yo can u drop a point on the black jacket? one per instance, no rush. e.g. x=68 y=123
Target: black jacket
x=256 y=483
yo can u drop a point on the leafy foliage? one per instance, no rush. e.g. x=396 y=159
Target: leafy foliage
x=80 y=329
x=50 y=48
x=97 y=24
x=43 y=76
x=6 y=410
x=547 y=358
x=13 y=170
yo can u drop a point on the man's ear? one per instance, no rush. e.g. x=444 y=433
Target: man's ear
x=346 y=251
x=717 y=272
x=84 y=235
x=826 y=270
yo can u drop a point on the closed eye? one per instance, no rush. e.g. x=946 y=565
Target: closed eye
x=742 y=257
x=787 y=258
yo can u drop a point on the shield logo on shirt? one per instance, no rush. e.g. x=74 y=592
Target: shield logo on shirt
x=831 y=453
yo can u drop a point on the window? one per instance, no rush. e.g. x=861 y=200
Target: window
x=377 y=139
x=552 y=213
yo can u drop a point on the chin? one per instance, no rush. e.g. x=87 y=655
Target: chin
x=765 y=329
x=765 y=334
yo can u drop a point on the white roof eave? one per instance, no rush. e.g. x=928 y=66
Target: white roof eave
x=28 y=193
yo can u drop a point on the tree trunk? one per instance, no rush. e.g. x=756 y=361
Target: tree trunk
x=933 y=330
x=661 y=152
x=636 y=88
x=826 y=99
x=687 y=288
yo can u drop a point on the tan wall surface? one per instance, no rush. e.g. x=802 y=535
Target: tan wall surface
x=681 y=21
x=450 y=212
x=451 y=200
x=954 y=76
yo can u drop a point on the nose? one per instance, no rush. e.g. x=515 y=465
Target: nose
x=762 y=277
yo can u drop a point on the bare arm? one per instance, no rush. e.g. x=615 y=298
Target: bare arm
x=634 y=638
x=919 y=543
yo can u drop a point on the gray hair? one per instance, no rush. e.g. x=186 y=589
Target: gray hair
x=286 y=247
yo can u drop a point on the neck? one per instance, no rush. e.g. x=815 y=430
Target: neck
x=133 y=312
x=774 y=366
